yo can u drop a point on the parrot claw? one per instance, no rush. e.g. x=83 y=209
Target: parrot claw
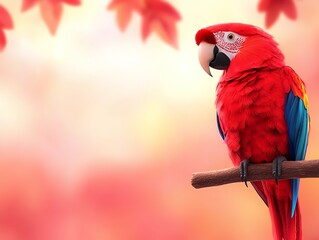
x=244 y=170
x=276 y=167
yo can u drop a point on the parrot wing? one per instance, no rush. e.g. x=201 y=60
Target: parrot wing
x=298 y=123
x=221 y=132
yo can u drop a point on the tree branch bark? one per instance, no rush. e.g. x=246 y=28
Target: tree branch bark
x=256 y=172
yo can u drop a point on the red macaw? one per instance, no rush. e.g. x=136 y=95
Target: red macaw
x=262 y=112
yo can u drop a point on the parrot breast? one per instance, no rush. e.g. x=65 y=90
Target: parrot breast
x=251 y=116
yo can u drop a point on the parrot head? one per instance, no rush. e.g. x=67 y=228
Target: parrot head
x=236 y=48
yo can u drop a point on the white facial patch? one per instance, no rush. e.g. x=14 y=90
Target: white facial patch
x=229 y=43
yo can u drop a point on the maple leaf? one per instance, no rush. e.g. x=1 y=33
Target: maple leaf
x=273 y=9
x=51 y=11
x=124 y=10
x=157 y=16
x=5 y=23
x=27 y=4
x=72 y=2
x=160 y=17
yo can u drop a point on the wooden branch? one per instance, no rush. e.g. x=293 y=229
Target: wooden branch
x=256 y=172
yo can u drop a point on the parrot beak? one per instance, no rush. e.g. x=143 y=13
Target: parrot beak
x=206 y=55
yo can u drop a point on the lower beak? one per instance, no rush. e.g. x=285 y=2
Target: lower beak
x=206 y=55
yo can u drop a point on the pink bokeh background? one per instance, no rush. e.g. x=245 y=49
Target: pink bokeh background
x=100 y=133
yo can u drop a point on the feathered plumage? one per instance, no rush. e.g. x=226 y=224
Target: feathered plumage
x=262 y=112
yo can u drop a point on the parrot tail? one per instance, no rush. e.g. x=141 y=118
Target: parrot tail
x=279 y=200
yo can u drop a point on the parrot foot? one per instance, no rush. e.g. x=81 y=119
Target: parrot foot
x=276 y=167
x=244 y=170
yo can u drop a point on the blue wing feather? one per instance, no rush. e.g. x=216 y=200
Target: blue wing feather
x=222 y=134
x=297 y=119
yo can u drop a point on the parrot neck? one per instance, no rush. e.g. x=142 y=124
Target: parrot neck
x=232 y=74
x=229 y=76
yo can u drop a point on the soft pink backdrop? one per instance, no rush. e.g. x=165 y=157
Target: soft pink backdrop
x=100 y=132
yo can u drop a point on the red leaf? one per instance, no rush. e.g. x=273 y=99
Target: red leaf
x=263 y=5
x=5 y=19
x=157 y=16
x=289 y=8
x=72 y=2
x=274 y=7
x=3 y=40
x=124 y=10
x=51 y=12
x=27 y=4
x=160 y=17
x=272 y=14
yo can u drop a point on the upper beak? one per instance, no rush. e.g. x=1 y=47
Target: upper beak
x=206 y=55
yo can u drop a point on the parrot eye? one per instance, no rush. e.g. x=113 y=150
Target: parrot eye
x=229 y=41
x=231 y=36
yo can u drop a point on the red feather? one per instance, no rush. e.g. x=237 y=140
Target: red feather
x=250 y=102
x=279 y=201
x=251 y=112
x=205 y=35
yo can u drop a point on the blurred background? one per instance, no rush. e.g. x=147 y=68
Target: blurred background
x=100 y=132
